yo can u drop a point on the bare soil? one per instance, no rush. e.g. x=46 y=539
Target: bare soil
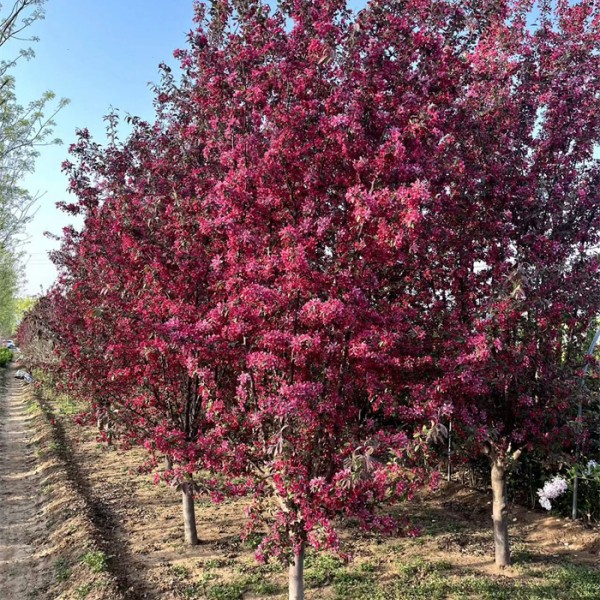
x=24 y=563
x=92 y=499
x=45 y=520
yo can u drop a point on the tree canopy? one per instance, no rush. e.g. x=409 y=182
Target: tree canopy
x=342 y=231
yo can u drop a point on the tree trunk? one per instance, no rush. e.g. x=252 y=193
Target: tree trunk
x=189 y=514
x=500 y=514
x=574 y=508
x=168 y=463
x=296 y=576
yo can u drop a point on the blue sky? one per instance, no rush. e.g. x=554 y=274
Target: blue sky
x=98 y=54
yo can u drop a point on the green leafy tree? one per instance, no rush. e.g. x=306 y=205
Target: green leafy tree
x=24 y=128
x=9 y=284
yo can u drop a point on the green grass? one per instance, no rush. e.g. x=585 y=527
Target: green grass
x=66 y=406
x=416 y=579
x=265 y=588
x=419 y=579
x=195 y=590
x=215 y=563
x=321 y=569
x=83 y=590
x=180 y=571
x=233 y=590
x=61 y=570
x=56 y=446
x=355 y=581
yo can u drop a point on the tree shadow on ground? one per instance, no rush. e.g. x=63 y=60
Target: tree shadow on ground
x=107 y=532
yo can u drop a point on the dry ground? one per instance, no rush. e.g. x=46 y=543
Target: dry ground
x=112 y=534
x=23 y=551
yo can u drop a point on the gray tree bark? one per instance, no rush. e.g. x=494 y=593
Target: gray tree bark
x=189 y=514
x=500 y=514
x=296 y=576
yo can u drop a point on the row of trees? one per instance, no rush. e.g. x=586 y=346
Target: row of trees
x=23 y=130
x=341 y=232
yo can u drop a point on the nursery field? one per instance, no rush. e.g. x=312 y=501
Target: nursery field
x=78 y=521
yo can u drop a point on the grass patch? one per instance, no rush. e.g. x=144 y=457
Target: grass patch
x=96 y=561
x=352 y=583
x=180 y=571
x=83 y=590
x=233 y=590
x=420 y=568
x=420 y=579
x=62 y=572
x=216 y=563
x=521 y=555
x=321 y=569
x=265 y=588
x=56 y=446
x=195 y=590
x=66 y=406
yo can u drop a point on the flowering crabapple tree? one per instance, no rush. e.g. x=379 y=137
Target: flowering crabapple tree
x=239 y=267
x=480 y=121
x=513 y=266
x=318 y=309
x=131 y=299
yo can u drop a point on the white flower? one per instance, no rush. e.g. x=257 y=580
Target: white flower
x=545 y=503
x=552 y=489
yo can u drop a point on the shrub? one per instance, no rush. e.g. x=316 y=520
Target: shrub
x=6 y=356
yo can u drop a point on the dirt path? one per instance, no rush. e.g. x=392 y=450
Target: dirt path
x=23 y=568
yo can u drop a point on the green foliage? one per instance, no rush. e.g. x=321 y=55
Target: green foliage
x=180 y=571
x=265 y=588
x=23 y=129
x=83 y=590
x=96 y=561
x=66 y=405
x=357 y=581
x=9 y=284
x=6 y=356
x=23 y=305
x=419 y=568
x=321 y=569
x=196 y=590
x=233 y=590
x=253 y=540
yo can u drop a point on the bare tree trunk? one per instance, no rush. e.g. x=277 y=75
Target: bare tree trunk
x=168 y=463
x=189 y=514
x=449 y=451
x=104 y=426
x=500 y=514
x=108 y=429
x=296 y=576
